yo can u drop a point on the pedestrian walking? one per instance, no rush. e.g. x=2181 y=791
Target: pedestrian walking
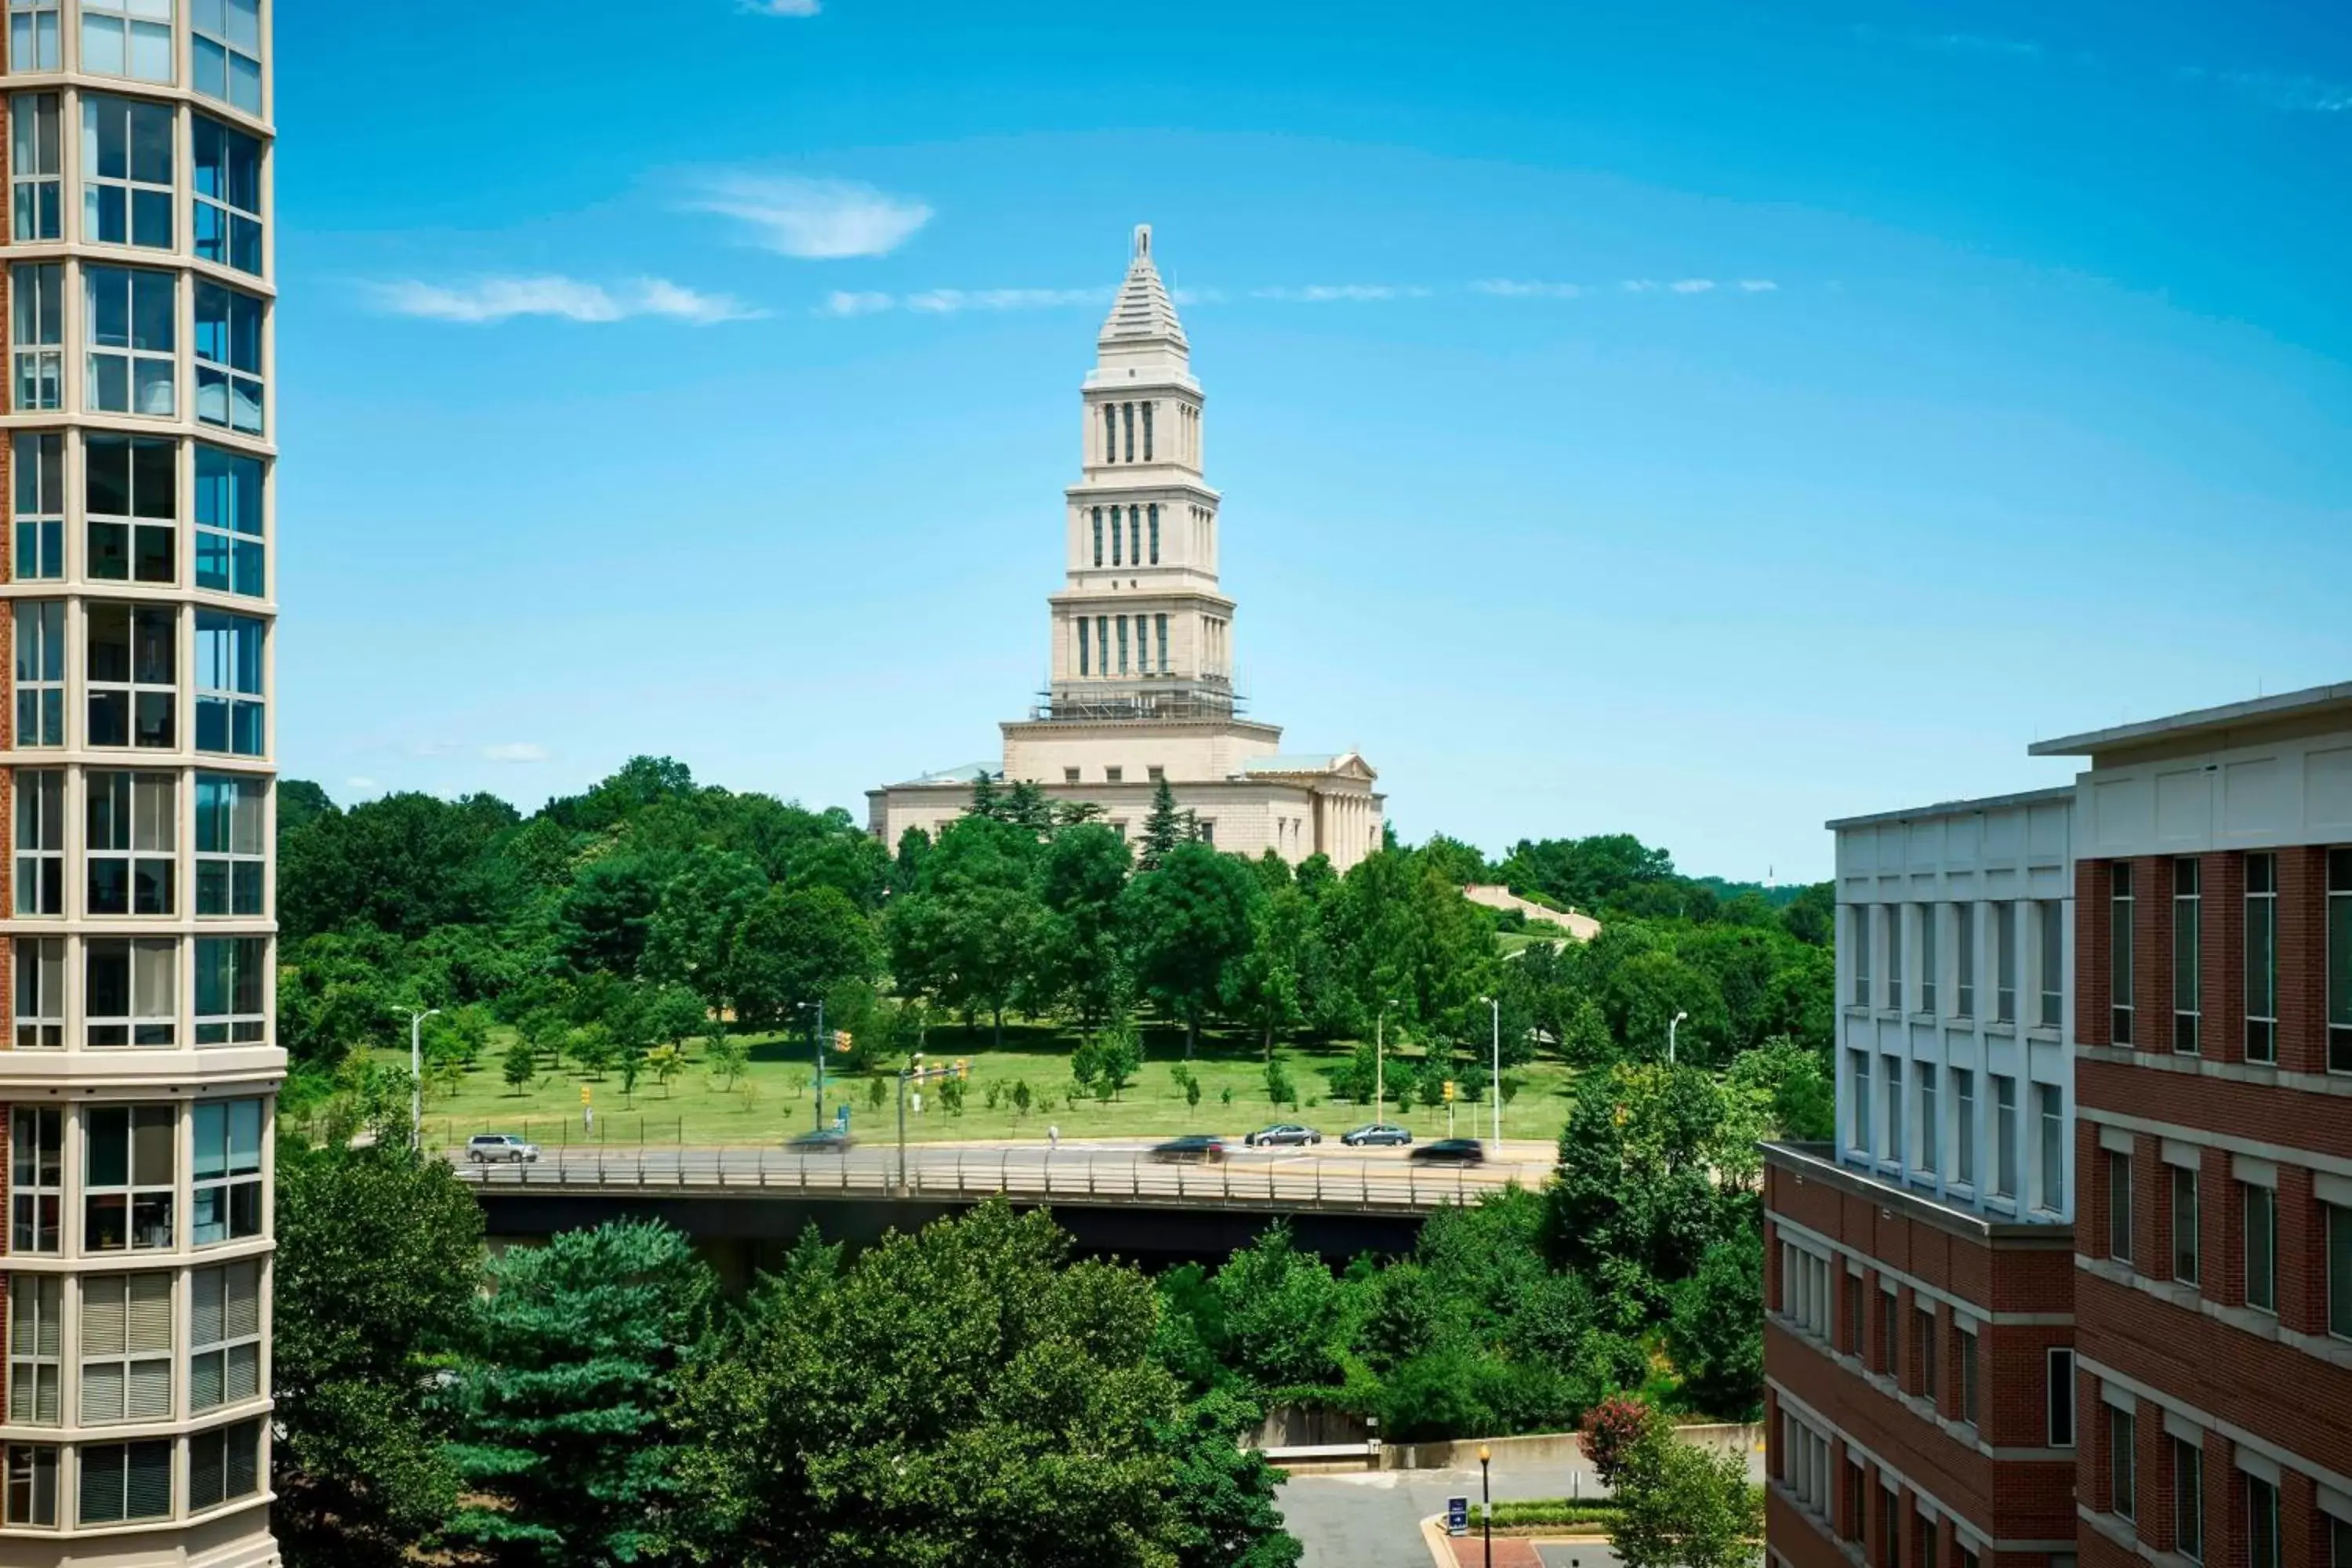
x=1052 y=1137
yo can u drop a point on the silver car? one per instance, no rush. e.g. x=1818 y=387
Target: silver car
x=1289 y=1132
x=500 y=1148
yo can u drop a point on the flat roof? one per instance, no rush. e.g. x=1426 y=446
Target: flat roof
x=1955 y=807
x=2199 y=721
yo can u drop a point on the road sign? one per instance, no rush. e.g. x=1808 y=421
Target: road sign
x=1458 y=1516
x=841 y=1118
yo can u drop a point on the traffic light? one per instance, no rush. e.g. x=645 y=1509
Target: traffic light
x=584 y=1092
x=963 y=1069
x=841 y=1040
x=1449 y=1091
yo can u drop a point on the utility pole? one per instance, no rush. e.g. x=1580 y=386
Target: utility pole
x=1495 y=1082
x=1379 y=1060
x=817 y=1041
x=416 y=1016
x=1672 y=1025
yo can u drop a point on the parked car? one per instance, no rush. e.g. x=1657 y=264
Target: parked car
x=824 y=1141
x=1376 y=1132
x=1192 y=1149
x=499 y=1148
x=1281 y=1132
x=1452 y=1152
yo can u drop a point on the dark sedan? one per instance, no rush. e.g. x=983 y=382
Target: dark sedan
x=1193 y=1149
x=1452 y=1152
x=824 y=1141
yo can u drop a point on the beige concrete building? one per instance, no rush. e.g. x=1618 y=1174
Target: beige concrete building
x=139 y=1079
x=1142 y=686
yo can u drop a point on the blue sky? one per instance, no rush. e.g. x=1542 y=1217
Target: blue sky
x=1696 y=419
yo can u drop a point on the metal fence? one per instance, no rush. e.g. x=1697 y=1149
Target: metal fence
x=1361 y=1187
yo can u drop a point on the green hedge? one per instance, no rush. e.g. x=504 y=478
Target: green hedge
x=1548 y=1511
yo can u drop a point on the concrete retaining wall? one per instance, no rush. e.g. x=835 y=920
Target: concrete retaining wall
x=1551 y=1447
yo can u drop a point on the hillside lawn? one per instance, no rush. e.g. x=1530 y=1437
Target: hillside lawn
x=772 y=1099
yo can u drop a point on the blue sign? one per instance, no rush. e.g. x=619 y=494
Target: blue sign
x=841 y=1119
x=1458 y=1516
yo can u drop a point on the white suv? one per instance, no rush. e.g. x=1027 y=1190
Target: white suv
x=486 y=1148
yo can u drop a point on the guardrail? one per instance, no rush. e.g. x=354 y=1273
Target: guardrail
x=1365 y=1186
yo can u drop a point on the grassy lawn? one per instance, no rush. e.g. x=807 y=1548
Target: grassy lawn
x=773 y=1098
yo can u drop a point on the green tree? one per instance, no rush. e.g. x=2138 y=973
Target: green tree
x=404 y=864
x=1191 y=922
x=608 y=914
x=1680 y=1506
x=970 y=936
x=377 y=1266
x=1083 y=962
x=520 y=1064
x=727 y=1056
x=1164 y=828
x=690 y=938
x=1283 y=1313
x=967 y=1395
x=1644 y=994
x=1715 y=1335
x=560 y=1402
x=792 y=947
x=1223 y=1493
x=1635 y=1184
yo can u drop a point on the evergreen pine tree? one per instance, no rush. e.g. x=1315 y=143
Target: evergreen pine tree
x=1026 y=806
x=1163 y=829
x=984 y=799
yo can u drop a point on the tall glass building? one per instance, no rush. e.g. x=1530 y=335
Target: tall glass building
x=138 y=1089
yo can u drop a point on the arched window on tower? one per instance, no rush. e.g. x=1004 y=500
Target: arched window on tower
x=1155 y=533
x=1097 y=536
x=1129 y=407
x=1146 y=432
x=1110 y=433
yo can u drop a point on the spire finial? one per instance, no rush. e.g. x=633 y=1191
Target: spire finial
x=1142 y=240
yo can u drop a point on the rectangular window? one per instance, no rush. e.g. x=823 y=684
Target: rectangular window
x=37 y=1142
x=229 y=711
x=1928 y=1130
x=1147 y=431
x=1966 y=1355
x=40 y=673
x=2339 y=1269
x=35 y=1374
x=1085 y=659
x=40 y=992
x=131 y=490
x=1894 y=1109
x=33 y=47
x=126 y=172
x=33 y=1467
x=224 y=1464
x=2262 y=958
x=2051 y=919
x=227 y=1170
x=1856 y=1489
x=223 y=1336
x=2340 y=961
x=2189 y=1500
x=2262 y=1524
x=2004 y=959
x=1127 y=421
x=1887 y=1362
x=1160 y=636
x=228 y=358
x=1097 y=520
x=1964 y=960
x=1964 y=1125
x=2184 y=1224
x=125 y=1481
x=1122 y=645
x=1153 y=509
x=2119 y=1205
x=1853 y=1309
x=1890 y=1534
x=127 y=1178
x=133 y=667
x=2050 y=1196
x=1111 y=432
x=1922 y=1332
x=1894 y=956
x=34 y=150
x=2119 y=951
x=127 y=37
x=229 y=523
x=128 y=315
x=2123 y=1463
x=1858 y=1128
x=2004 y=1136
x=1858 y=933
x=1135 y=541
x=2188 y=950
x=2060 y=1367
x=2262 y=1247
x=40 y=841
x=128 y=991
x=131 y=856
x=36 y=331
x=227 y=212
x=126 y=1348
x=40 y=486
x=1927 y=942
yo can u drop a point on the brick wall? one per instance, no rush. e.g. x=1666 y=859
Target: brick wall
x=2093 y=968
x=2303 y=960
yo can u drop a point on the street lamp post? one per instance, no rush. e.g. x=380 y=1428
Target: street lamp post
x=1672 y=1023
x=416 y=1016
x=817 y=1039
x=1494 y=1081
x=1379 y=1060
x=1487 y=1493
x=913 y=1070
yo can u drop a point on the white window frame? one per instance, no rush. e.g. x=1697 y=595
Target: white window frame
x=36 y=167
x=226 y=1177
x=34 y=39
x=231 y=395
x=220 y=206
x=40 y=481
x=37 y=335
x=37 y=1187
x=136 y=196
x=40 y=660
x=232 y=847
x=125 y=1376
x=146 y=1194
x=131 y=821
x=145 y=626
x=149 y=370
x=219 y=33
x=40 y=814
x=144 y=30
x=151 y=993
x=36 y=1349
x=140 y=518
x=223 y=1336
x=38 y=1006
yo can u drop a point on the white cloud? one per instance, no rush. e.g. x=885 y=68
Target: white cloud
x=2293 y=94
x=1327 y=293
x=1693 y=286
x=1197 y=296
x=781 y=8
x=1638 y=286
x=816 y=219
x=514 y=751
x=1759 y=286
x=1510 y=289
x=941 y=301
x=841 y=303
x=490 y=300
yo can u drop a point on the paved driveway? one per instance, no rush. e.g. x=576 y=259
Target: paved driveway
x=1371 y=1518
